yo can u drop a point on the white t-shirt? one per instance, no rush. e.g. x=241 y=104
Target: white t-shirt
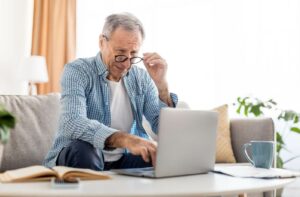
x=121 y=115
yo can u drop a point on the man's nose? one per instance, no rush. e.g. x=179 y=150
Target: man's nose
x=126 y=63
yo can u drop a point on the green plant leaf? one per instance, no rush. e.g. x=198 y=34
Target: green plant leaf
x=296 y=120
x=295 y=129
x=7 y=121
x=246 y=109
x=279 y=162
x=239 y=99
x=4 y=134
x=287 y=115
x=272 y=101
x=279 y=138
x=245 y=99
x=239 y=109
x=280 y=116
x=256 y=109
x=6 y=118
x=278 y=147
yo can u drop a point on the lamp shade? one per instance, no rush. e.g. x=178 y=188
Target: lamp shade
x=35 y=69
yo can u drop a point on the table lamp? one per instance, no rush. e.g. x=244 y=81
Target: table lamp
x=35 y=71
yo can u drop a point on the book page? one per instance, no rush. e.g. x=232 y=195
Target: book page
x=250 y=171
x=84 y=174
x=27 y=174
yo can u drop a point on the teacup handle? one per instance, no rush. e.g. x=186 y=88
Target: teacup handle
x=245 y=146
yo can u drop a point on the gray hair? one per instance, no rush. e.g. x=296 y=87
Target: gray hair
x=125 y=20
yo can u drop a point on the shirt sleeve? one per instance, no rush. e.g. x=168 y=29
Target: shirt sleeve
x=153 y=104
x=73 y=122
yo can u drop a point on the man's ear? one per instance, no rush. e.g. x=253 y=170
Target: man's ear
x=101 y=40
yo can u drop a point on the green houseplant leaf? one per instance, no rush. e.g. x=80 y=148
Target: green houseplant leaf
x=296 y=120
x=279 y=162
x=280 y=143
x=7 y=121
x=4 y=134
x=295 y=129
x=256 y=109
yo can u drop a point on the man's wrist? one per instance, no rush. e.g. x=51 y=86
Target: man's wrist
x=116 y=140
x=164 y=95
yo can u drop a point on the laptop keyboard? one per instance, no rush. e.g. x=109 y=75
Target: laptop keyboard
x=143 y=172
x=143 y=169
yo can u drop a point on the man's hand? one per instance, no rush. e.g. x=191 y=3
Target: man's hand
x=146 y=148
x=157 y=69
x=136 y=145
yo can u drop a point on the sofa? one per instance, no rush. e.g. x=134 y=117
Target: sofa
x=37 y=122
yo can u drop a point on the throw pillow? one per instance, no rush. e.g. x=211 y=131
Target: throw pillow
x=224 y=153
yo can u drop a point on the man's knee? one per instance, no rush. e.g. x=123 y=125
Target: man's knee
x=81 y=154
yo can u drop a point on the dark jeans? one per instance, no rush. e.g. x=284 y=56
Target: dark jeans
x=81 y=154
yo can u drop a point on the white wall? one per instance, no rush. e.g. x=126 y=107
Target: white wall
x=221 y=49
x=15 y=38
x=216 y=50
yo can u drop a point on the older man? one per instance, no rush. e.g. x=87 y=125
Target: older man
x=104 y=99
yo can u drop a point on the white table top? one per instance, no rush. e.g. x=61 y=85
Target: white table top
x=196 y=185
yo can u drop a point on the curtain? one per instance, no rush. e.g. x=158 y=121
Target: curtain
x=54 y=36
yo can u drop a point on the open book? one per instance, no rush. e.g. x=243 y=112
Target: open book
x=42 y=173
x=252 y=172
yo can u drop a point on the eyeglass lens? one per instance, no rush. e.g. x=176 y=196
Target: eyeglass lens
x=123 y=58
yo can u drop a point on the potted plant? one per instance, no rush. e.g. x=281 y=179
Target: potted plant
x=7 y=121
x=289 y=118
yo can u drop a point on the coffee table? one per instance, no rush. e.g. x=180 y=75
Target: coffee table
x=119 y=186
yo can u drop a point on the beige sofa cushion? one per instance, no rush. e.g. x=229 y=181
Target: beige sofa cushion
x=224 y=152
x=37 y=122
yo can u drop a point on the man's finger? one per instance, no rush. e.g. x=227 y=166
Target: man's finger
x=151 y=56
x=154 y=144
x=154 y=57
x=155 y=62
x=153 y=155
x=145 y=154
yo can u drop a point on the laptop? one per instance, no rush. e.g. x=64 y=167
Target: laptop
x=186 y=144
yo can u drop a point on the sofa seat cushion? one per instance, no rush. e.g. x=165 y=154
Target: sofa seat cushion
x=37 y=122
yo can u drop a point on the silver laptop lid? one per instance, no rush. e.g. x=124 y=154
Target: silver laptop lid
x=186 y=142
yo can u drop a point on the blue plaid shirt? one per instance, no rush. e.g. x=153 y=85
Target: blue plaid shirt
x=85 y=108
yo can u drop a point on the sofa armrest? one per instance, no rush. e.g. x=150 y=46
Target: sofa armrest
x=245 y=130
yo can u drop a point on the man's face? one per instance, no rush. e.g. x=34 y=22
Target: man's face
x=121 y=42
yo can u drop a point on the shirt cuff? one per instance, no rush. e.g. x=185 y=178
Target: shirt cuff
x=174 y=99
x=101 y=135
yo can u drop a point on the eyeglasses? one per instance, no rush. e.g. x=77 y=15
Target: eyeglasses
x=123 y=58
